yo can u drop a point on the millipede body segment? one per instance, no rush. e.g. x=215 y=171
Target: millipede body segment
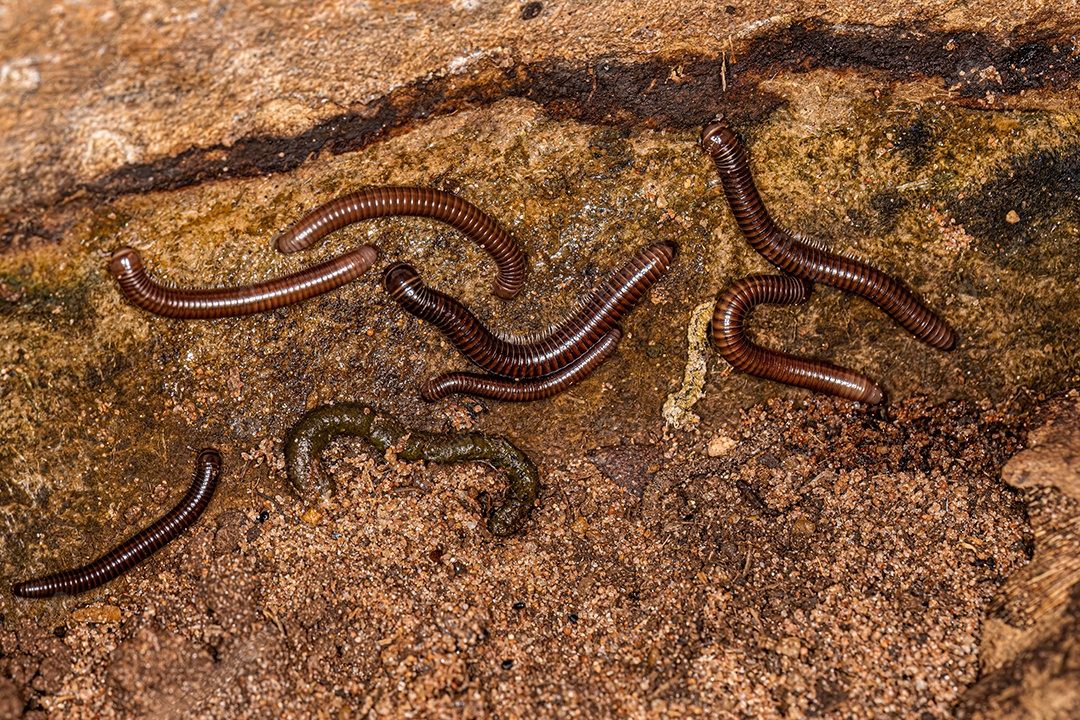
x=497 y=388
x=127 y=266
x=317 y=428
x=460 y=214
x=732 y=307
x=805 y=260
x=551 y=353
x=144 y=544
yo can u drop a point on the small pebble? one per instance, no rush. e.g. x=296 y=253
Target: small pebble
x=803 y=527
x=531 y=10
x=652 y=660
x=97 y=614
x=311 y=516
x=720 y=445
x=789 y=647
x=507 y=664
x=1012 y=217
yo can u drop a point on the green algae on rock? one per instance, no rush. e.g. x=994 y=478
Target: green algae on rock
x=318 y=427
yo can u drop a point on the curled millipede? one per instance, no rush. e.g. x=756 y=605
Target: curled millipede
x=460 y=214
x=317 y=428
x=498 y=388
x=131 y=552
x=127 y=266
x=737 y=301
x=566 y=343
x=806 y=260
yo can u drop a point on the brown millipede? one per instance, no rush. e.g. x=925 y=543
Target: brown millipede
x=460 y=214
x=566 y=343
x=805 y=260
x=131 y=552
x=127 y=266
x=521 y=390
x=731 y=310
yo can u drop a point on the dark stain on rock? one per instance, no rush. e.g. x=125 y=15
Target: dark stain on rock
x=888 y=206
x=915 y=141
x=971 y=64
x=676 y=92
x=606 y=91
x=29 y=227
x=49 y=306
x=1024 y=203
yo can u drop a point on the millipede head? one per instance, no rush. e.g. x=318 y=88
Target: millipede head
x=208 y=456
x=716 y=136
x=667 y=250
x=431 y=390
x=125 y=261
x=399 y=276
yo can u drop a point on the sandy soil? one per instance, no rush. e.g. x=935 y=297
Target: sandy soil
x=808 y=559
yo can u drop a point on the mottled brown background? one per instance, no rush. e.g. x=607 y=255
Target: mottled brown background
x=938 y=139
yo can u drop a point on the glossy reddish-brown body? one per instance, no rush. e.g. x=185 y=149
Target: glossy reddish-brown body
x=128 y=269
x=805 y=260
x=497 y=388
x=144 y=544
x=460 y=214
x=565 y=344
x=729 y=317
